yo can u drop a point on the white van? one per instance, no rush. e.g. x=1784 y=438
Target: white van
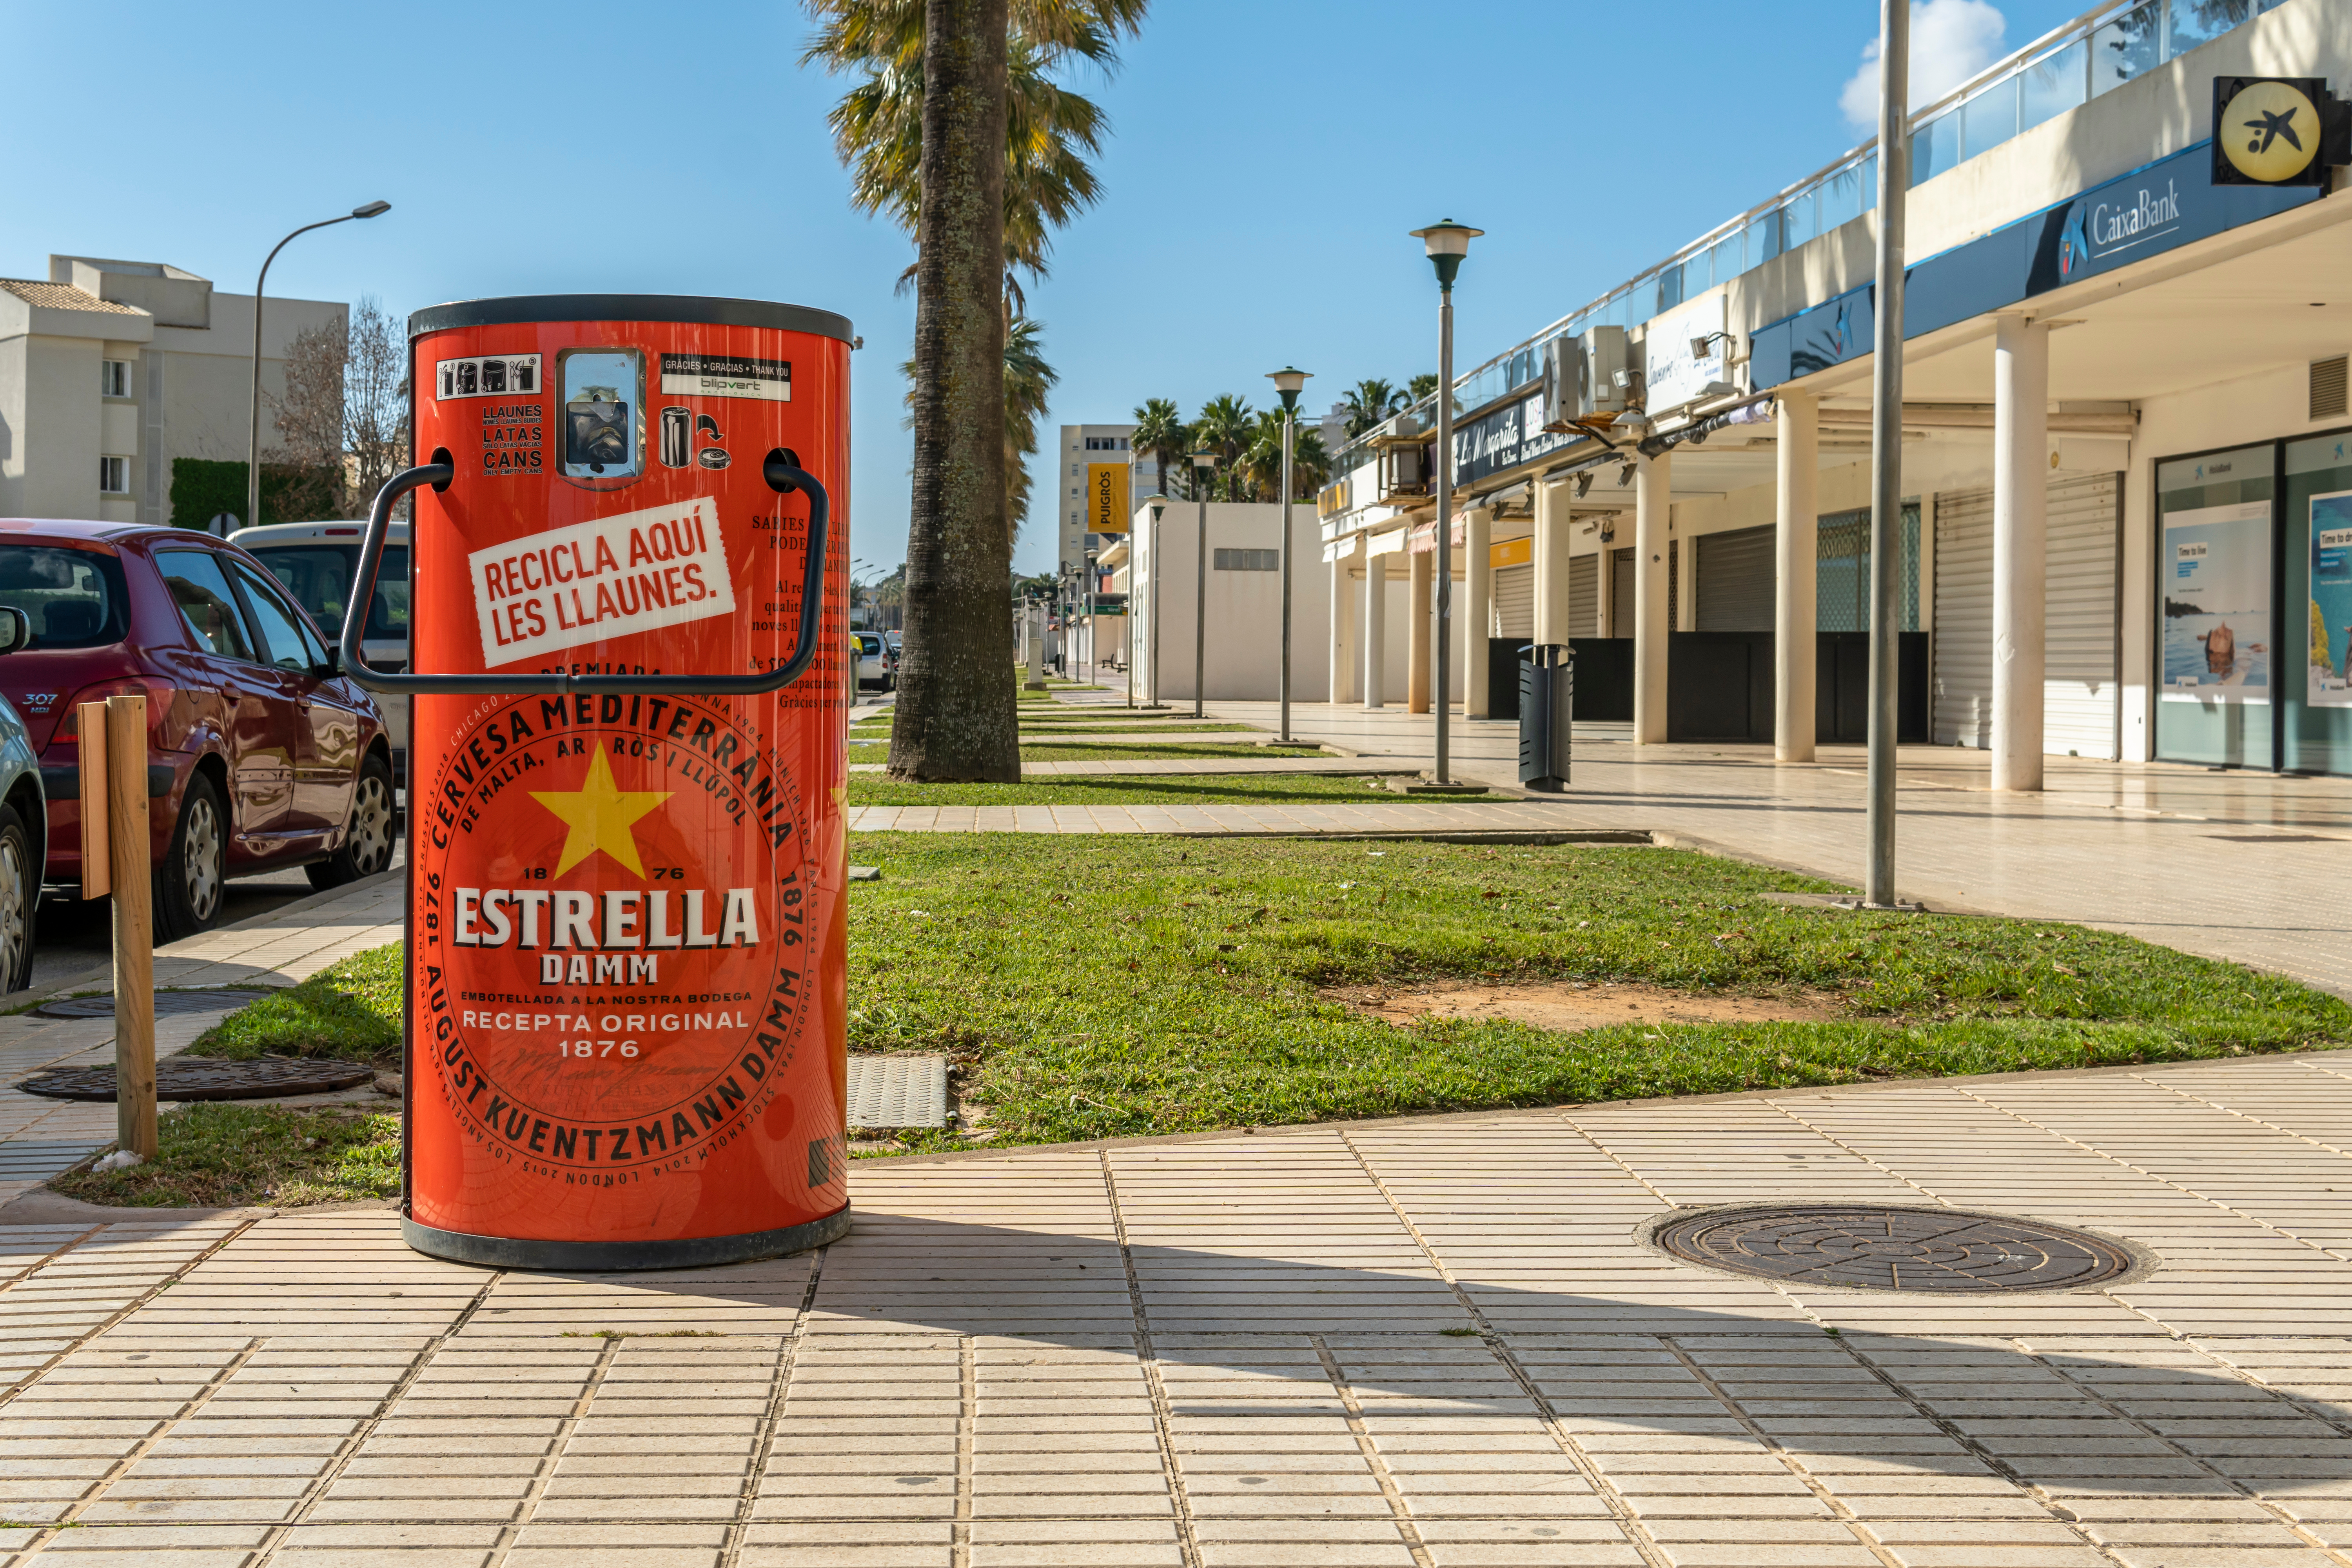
x=317 y=560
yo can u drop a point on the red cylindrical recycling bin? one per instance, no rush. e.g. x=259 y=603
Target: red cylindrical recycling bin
x=626 y=985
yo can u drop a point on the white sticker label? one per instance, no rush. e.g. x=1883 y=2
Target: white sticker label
x=659 y=567
x=727 y=375
x=498 y=375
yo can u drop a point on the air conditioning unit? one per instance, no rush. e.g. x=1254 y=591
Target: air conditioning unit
x=1564 y=383
x=1608 y=377
x=1585 y=376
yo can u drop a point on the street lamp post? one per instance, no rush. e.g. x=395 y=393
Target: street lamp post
x=1205 y=467
x=1289 y=381
x=1445 y=242
x=1887 y=439
x=260 y=288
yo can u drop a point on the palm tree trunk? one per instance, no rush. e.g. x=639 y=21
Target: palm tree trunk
x=957 y=716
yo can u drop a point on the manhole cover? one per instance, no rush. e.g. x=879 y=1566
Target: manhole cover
x=206 y=1077
x=167 y=1003
x=1878 y=1246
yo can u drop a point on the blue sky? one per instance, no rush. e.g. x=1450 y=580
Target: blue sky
x=1267 y=157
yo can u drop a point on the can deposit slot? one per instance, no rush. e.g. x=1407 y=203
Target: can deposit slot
x=602 y=392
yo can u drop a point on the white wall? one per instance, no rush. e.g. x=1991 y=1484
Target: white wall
x=1243 y=646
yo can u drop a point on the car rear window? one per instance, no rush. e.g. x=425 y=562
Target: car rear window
x=206 y=603
x=318 y=578
x=74 y=598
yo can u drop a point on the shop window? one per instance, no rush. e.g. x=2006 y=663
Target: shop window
x=1842 y=571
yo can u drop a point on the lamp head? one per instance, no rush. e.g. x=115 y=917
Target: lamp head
x=1205 y=461
x=1445 y=242
x=1290 y=382
x=374 y=209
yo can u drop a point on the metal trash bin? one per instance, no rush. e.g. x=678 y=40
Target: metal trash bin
x=1546 y=706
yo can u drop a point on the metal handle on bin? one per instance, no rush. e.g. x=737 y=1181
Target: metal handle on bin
x=780 y=474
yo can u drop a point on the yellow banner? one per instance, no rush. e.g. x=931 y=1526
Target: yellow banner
x=1511 y=552
x=1108 y=511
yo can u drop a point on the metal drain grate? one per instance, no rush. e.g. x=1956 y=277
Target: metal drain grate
x=1883 y=1247
x=897 y=1091
x=167 y=1004
x=206 y=1078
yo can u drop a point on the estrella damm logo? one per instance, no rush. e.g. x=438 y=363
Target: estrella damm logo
x=612 y=932
x=2267 y=131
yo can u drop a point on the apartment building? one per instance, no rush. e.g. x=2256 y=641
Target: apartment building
x=110 y=370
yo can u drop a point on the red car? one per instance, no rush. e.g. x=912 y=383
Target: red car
x=261 y=754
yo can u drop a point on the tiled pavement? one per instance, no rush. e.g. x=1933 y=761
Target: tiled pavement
x=40 y=1138
x=1432 y=1342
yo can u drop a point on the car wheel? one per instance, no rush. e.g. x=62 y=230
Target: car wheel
x=189 y=884
x=367 y=836
x=19 y=890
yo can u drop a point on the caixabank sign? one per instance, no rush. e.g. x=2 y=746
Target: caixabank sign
x=2278 y=130
x=2175 y=201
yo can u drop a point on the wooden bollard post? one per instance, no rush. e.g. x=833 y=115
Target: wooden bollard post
x=134 y=942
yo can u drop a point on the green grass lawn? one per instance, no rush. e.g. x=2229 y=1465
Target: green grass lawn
x=1176 y=989
x=221 y=1154
x=349 y=1010
x=1132 y=789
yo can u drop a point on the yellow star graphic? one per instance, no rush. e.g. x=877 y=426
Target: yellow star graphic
x=599 y=816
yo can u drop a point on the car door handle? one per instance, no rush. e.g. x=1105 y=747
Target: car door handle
x=782 y=474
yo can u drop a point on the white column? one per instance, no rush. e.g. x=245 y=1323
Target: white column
x=1551 y=545
x=2021 y=437
x=1420 y=616
x=1476 y=609
x=1795 y=549
x=1343 y=624
x=1652 y=487
x=1375 y=622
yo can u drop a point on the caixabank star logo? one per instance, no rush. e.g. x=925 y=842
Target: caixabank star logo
x=612 y=933
x=2277 y=130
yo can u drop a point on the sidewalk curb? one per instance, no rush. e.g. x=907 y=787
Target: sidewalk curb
x=1441 y=1119
x=103 y=976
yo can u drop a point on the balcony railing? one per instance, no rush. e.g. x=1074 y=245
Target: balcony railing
x=2096 y=53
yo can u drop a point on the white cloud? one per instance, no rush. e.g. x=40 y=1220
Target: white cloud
x=1951 y=40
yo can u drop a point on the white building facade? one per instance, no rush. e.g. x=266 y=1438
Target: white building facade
x=2128 y=528
x=110 y=370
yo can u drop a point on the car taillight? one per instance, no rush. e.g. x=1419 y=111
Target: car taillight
x=169 y=711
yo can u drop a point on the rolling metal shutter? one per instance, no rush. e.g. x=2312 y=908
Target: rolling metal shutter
x=1584 y=596
x=1964 y=618
x=1514 y=613
x=1736 y=577
x=2079 y=697
x=1620 y=590
x=2078 y=687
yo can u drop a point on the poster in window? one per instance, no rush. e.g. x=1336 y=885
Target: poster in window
x=2215 y=573
x=2331 y=601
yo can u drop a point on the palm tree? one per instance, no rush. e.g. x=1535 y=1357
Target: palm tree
x=1421 y=385
x=932 y=137
x=1369 y=403
x=1161 y=431
x=1050 y=131
x=1028 y=385
x=1223 y=428
x=1262 y=462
